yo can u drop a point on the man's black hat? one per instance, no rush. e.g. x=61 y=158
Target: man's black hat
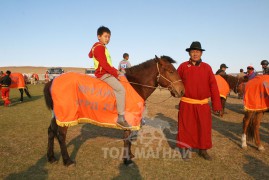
x=223 y=66
x=195 y=45
x=264 y=62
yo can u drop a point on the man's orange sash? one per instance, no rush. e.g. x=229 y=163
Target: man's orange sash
x=79 y=98
x=256 y=96
x=195 y=101
x=223 y=86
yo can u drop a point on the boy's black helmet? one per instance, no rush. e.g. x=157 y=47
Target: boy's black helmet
x=264 y=62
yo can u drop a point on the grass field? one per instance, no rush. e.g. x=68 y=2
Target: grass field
x=23 y=137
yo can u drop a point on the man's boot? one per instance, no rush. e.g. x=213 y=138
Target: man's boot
x=203 y=153
x=121 y=122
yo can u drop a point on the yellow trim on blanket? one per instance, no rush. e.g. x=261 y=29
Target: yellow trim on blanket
x=16 y=87
x=248 y=109
x=194 y=101
x=87 y=120
x=223 y=96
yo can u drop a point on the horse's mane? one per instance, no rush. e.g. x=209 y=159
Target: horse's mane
x=149 y=63
x=228 y=77
x=169 y=59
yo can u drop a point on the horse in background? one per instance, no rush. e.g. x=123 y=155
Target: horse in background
x=144 y=79
x=18 y=81
x=34 y=79
x=256 y=102
x=230 y=83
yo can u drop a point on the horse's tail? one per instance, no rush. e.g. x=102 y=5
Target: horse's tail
x=47 y=94
x=251 y=127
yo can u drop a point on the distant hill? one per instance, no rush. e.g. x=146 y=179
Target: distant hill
x=38 y=70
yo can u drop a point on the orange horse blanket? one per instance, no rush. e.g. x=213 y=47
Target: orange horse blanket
x=79 y=98
x=256 y=95
x=223 y=86
x=17 y=80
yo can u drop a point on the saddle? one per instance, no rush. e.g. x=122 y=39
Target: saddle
x=79 y=98
x=223 y=86
x=256 y=93
x=17 y=80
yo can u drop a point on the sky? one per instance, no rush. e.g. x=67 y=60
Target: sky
x=61 y=32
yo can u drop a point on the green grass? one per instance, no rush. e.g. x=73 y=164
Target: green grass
x=23 y=135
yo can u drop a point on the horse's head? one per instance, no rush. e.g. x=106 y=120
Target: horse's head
x=168 y=76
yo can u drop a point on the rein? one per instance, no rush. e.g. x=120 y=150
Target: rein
x=160 y=101
x=169 y=88
x=154 y=88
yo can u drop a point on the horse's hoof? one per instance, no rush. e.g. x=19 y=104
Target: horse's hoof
x=261 y=148
x=132 y=156
x=128 y=162
x=52 y=159
x=69 y=163
x=244 y=147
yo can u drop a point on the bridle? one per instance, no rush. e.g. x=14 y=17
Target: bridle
x=170 y=87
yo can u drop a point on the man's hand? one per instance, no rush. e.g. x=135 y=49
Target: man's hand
x=218 y=113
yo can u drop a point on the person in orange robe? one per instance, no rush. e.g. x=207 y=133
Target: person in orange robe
x=194 y=117
x=5 y=84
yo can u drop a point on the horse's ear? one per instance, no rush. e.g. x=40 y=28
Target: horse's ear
x=156 y=58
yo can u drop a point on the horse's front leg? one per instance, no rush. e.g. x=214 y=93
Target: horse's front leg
x=21 y=92
x=257 y=132
x=61 y=136
x=246 y=121
x=127 y=154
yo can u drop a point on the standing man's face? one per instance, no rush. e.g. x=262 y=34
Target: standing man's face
x=195 y=55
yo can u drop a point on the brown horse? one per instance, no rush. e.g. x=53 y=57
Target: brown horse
x=233 y=83
x=144 y=78
x=255 y=107
x=17 y=81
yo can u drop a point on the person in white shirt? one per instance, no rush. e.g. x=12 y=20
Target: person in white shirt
x=124 y=63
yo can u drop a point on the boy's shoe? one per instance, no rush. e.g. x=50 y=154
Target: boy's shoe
x=121 y=122
x=143 y=122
